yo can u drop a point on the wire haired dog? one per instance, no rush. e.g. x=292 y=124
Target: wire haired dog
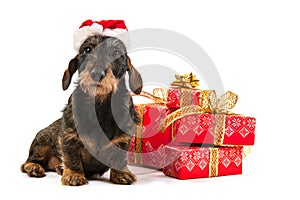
x=94 y=132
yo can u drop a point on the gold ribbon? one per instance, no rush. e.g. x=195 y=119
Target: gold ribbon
x=221 y=107
x=213 y=162
x=246 y=151
x=161 y=93
x=185 y=81
x=138 y=137
x=179 y=113
x=186 y=97
x=156 y=99
x=209 y=103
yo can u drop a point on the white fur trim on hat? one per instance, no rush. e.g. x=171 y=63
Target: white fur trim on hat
x=83 y=33
x=120 y=33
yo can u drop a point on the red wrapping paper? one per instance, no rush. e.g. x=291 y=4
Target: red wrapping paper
x=200 y=162
x=200 y=129
x=179 y=97
x=147 y=148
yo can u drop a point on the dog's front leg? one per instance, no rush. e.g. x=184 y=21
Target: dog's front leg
x=73 y=173
x=116 y=154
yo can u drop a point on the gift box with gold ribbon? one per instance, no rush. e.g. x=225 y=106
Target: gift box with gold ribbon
x=212 y=122
x=184 y=162
x=146 y=147
x=207 y=121
x=183 y=91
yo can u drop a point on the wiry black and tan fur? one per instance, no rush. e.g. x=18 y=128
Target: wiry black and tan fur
x=98 y=122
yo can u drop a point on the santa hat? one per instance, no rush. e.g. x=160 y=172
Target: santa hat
x=113 y=28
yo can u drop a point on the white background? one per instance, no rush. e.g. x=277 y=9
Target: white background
x=255 y=46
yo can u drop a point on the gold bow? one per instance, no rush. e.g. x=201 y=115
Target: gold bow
x=209 y=103
x=161 y=93
x=222 y=105
x=185 y=81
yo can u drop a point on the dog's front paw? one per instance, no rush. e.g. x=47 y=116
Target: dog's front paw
x=122 y=177
x=73 y=179
x=33 y=169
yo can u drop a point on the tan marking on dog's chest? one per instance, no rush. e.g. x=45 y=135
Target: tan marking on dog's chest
x=53 y=162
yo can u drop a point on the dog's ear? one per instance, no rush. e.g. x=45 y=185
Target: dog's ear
x=73 y=66
x=135 y=79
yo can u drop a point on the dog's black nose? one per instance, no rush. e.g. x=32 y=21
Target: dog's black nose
x=97 y=76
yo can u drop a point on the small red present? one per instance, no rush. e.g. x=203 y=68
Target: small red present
x=146 y=147
x=180 y=97
x=183 y=91
x=201 y=162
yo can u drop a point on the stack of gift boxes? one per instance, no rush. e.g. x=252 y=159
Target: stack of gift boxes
x=191 y=133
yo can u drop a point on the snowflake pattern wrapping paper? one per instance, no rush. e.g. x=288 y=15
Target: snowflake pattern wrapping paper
x=209 y=129
x=211 y=122
x=185 y=162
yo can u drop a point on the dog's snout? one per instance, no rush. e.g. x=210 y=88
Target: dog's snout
x=98 y=76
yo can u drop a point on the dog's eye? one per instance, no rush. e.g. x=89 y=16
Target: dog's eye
x=116 y=53
x=87 y=50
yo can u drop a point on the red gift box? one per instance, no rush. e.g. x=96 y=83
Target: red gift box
x=201 y=162
x=180 y=97
x=212 y=122
x=219 y=129
x=146 y=147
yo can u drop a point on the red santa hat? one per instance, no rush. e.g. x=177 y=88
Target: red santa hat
x=88 y=28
